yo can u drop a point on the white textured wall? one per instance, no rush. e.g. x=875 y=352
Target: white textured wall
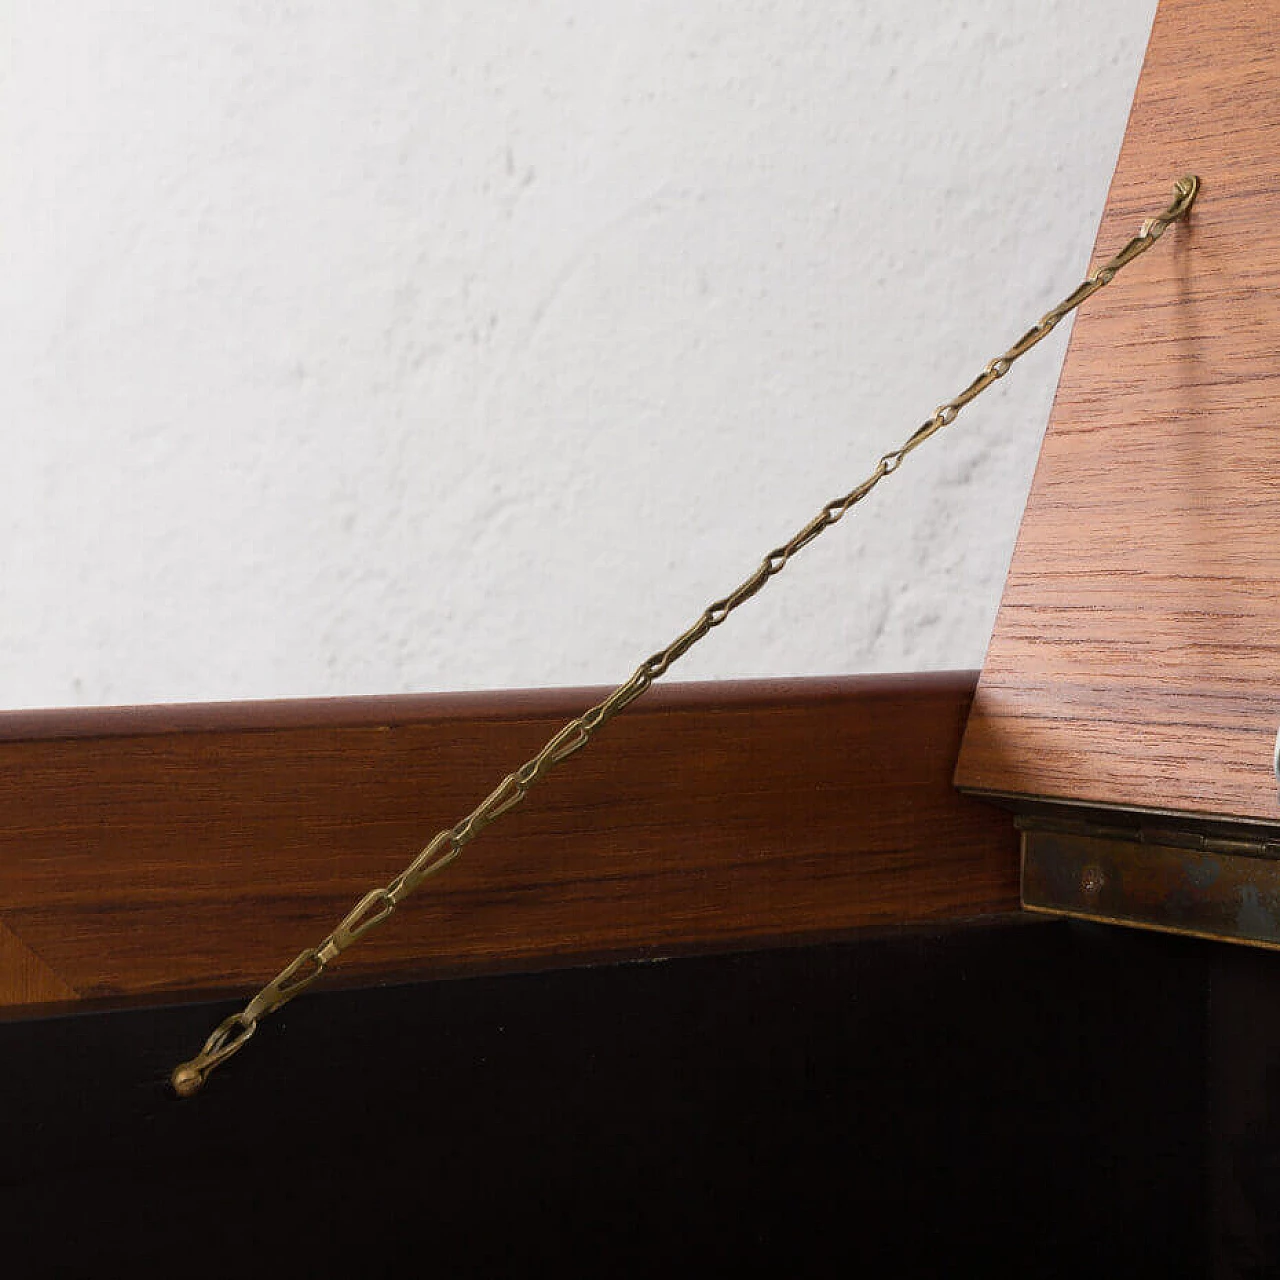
x=370 y=347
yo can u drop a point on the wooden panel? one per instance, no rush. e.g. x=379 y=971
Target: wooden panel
x=1136 y=656
x=158 y=851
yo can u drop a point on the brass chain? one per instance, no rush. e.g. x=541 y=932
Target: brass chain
x=234 y=1033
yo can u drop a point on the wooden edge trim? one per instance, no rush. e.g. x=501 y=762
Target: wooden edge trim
x=25 y=979
x=161 y=853
x=389 y=710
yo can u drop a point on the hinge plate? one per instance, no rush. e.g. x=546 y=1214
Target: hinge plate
x=1211 y=883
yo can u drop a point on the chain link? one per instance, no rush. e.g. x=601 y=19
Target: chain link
x=377 y=905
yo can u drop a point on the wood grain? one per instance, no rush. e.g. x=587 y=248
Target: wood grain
x=1136 y=655
x=25 y=979
x=179 y=851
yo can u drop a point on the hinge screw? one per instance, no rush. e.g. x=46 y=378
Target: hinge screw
x=1092 y=878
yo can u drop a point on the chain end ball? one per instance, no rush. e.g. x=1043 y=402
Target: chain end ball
x=186 y=1080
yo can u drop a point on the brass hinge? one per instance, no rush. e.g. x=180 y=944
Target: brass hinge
x=1210 y=880
x=1249 y=842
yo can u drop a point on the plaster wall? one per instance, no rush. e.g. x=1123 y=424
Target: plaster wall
x=410 y=346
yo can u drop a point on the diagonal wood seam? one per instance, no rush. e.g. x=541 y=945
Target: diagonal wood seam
x=24 y=977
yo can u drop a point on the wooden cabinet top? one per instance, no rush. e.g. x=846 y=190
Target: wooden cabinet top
x=1135 y=660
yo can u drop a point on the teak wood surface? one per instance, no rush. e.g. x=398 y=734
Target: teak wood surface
x=156 y=853
x=1136 y=656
